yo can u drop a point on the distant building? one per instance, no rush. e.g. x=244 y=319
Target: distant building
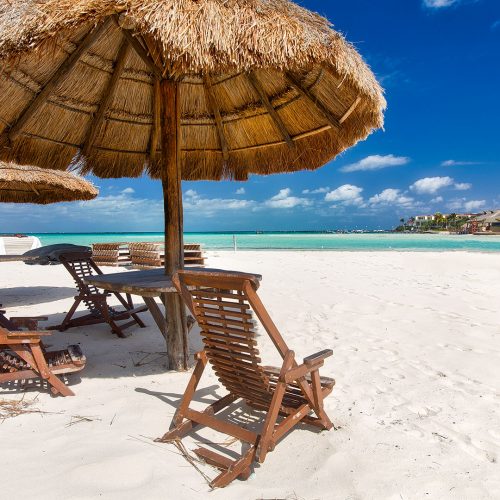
x=418 y=220
x=487 y=222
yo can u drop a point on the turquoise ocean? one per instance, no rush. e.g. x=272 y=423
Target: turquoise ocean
x=298 y=241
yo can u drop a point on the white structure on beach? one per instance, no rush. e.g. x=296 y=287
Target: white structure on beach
x=17 y=245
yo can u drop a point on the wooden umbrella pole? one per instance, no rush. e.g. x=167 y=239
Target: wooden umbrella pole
x=174 y=244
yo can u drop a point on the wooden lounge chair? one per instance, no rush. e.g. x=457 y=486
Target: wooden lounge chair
x=80 y=265
x=23 y=356
x=111 y=254
x=222 y=303
x=150 y=255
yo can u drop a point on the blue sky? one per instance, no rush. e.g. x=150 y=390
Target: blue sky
x=439 y=61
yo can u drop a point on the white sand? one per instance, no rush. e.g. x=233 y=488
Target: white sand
x=416 y=355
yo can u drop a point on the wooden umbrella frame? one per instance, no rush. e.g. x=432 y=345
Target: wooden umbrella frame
x=290 y=110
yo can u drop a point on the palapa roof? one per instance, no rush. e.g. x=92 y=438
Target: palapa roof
x=265 y=86
x=488 y=217
x=27 y=184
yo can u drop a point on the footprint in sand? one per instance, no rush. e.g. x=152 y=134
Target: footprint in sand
x=482 y=450
x=425 y=411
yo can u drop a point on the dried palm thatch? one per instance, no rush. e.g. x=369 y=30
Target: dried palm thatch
x=265 y=86
x=23 y=184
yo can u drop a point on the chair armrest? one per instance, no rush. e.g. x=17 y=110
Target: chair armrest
x=311 y=363
x=25 y=333
x=318 y=357
x=30 y=322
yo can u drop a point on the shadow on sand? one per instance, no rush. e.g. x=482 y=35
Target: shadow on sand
x=29 y=295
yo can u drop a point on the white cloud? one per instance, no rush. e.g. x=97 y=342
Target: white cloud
x=128 y=190
x=193 y=202
x=316 y=191
x=455 y=163
x=431 y=185
x=346 y=194
x=437 y=199
x=473 y=205
x=284 y=200
x=391 y=197
x=459 y=204
x=462 y=186
x=376 y=162
x=436 y=4
x=240 y=191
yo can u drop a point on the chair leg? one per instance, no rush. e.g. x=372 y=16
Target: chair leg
x=274 y=408
x=58 y=386
x=240 y=467
x=102 y=305
x=318 y=400
x=138 y=320
x=67 y=319
x=175 y=426
x=33 y=355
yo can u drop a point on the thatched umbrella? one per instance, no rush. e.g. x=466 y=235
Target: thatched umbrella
x=23 y=184
x=181 y=89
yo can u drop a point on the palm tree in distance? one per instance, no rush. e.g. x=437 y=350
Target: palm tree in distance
x=450 y=220
x=439 y=219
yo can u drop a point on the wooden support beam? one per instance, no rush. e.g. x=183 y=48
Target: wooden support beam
x=106 y=98
x=171 y=174
x=156 y=126
x=351 y=109
x=172 y=197
x=141 y=51
x=214 y=108
x=254 y=82
x=297 y=85
x=61 y=72
x=155 y=52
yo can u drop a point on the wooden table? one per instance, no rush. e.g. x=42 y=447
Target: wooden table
x=147 y=284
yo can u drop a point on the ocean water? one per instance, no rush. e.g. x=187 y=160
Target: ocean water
x=298 y=241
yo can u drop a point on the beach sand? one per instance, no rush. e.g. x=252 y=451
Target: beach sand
x=416 y=354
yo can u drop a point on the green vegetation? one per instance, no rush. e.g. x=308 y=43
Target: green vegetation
x=451 y=222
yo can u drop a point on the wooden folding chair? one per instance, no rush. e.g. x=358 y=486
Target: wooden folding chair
x=80 y=265
x=222 y=303
x=23 y=356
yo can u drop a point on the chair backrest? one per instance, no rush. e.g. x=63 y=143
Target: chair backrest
x=222 y=303
x=80 y=265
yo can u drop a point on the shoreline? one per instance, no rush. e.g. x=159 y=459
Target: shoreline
x=298 y=241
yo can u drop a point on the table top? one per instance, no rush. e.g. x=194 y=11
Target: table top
x=150 y=283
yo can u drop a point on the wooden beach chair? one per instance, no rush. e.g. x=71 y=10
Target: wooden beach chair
x=80 y=265
x=150 y=255
x=111 y=254
x=222 y=303
x=23 y=356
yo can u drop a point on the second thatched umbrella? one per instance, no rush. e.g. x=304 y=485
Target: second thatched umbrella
x=27 y=184
x=181 y=89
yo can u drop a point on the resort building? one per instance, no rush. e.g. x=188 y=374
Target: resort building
x=487 y=222
x=418 y=220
